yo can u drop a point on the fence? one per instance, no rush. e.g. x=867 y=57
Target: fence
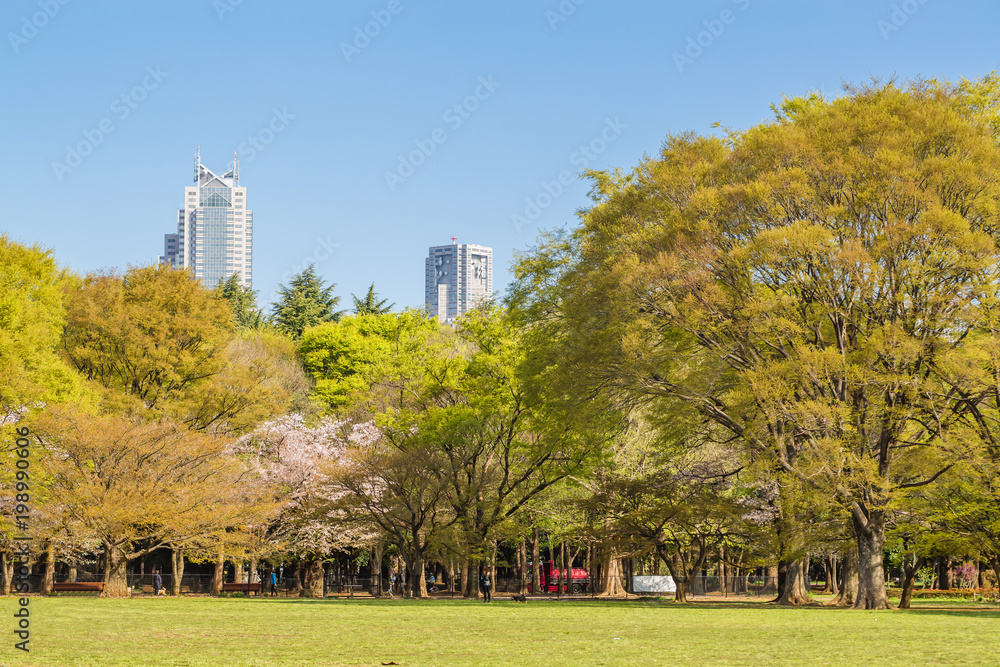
x=743 y=586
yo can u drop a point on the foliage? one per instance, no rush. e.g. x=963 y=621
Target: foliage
x=812 y=285
x=292 y=459
x=367 y=360
x=243 y=303
x=31 y=321
x=305 y=302
x=371 y=304
x=153 y=334
x=126 y=482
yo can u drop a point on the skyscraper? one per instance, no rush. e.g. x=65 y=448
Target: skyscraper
x=457 y=278
x=214 y=229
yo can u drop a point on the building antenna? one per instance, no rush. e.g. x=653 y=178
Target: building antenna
x=236 y=170
x=453 y=240
x=197 y=162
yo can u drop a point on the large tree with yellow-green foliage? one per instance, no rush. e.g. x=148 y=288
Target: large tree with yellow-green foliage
x=31 y=322
x=156 y=340
x=134 y=485
x=822 y=286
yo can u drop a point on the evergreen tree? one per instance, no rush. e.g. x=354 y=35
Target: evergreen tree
x=371 y=304
x=243 y=302
x=305 y=302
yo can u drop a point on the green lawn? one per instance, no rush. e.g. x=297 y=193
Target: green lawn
x=207 y=631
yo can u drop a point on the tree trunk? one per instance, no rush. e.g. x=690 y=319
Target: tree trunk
x=909 y=579
x=611 y=576
x=464 y=583
x=560 y=558
x=994 y=561
x=238 y=570
x=314 y=579
x=723 y=579
x=218 y=574
x=830 y=565
x=176 y=570
x=115 y=579
x=945 y=577
x=522 y=561
x=472 y=583
x=848 y=582
x=418 y=581
x=871 y=572
x=682 y=583
x=568 y=567
x=49 y=578
x=376 y=568
x=71 y=574
x=7 y=565
x=794 y=591
x=536 y=565
x=590 y=569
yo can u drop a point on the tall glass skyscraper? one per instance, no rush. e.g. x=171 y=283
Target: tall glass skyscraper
x=457 y=278
x=214 y=229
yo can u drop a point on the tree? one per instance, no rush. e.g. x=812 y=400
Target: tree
x=153 y=334
x=161 y=344
x=243 y=303
x=262 y=377
x=371 y=304
x=305 y=302
x=32 y=316
x=136 y=486
x=391 y=482
x=812 y=285
x=293 y=460
x=367 y=359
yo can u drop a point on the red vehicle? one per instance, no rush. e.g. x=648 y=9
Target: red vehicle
x=551 y=579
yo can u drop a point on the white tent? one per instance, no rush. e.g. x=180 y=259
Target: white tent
x=653 y=584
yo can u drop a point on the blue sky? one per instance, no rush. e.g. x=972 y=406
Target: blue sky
x=321 y=112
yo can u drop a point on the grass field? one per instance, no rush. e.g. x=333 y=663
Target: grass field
x=207 y=631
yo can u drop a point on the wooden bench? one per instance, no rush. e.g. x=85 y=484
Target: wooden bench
x=234 y=587
x=79 y=586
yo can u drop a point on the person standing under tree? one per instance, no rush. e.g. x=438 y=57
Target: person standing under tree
x=157 y=582
x=485 y=583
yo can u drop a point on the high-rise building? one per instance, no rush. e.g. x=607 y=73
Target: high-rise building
x=458 y=277
x=214 y=229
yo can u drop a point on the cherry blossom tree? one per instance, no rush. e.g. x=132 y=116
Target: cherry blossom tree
x=292 y=459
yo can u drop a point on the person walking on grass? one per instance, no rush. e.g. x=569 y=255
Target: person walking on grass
x=157 y=582
x=274 y=583
x=486 y=583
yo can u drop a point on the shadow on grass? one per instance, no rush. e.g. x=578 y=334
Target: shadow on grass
x=706 y=605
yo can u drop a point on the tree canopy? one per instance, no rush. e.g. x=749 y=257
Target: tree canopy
x=371 y=304
x=305 y=302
